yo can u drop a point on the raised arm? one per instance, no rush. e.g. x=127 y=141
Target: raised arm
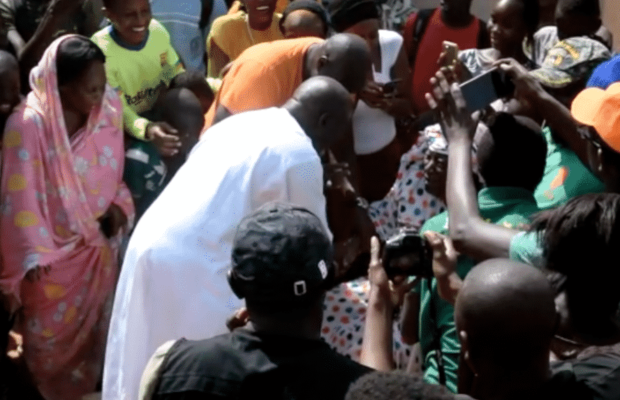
x=470 y=234
x=31 y=52
x=557 y=116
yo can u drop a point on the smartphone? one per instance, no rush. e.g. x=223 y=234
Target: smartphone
x=389 y=88
x=452 y=52
x=407 y=254
x=484 y=89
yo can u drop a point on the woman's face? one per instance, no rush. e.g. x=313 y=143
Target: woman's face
x=367 y=30
x=260 y=13
x=436 y=173
x=131 y=19
x=85 y=92
x=506 y=27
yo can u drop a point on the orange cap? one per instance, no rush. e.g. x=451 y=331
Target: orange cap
x=600 y=109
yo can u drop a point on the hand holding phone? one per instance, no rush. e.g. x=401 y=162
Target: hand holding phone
x=484 y=89
x=407 y=254
x=450 y=53
x=390 y=88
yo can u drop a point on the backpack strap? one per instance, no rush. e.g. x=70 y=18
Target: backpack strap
x=415 y=31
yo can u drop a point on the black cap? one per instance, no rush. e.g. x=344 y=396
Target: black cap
x=281 y=253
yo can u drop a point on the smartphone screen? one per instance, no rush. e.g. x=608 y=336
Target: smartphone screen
x=484 y=89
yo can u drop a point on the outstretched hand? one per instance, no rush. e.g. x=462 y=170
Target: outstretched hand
x=447 y=101
x=164 y=137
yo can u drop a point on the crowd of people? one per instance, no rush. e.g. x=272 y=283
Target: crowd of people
x=203 y=199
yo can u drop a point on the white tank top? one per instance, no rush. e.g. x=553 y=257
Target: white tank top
x=373 y=129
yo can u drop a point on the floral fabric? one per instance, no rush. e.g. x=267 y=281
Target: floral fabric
x=53 y=190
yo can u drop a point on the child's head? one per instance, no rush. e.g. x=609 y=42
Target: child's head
x=500 y=149
x=196 y=82
x=304 y=18
x=577 y=18
x=260 y=13
x=182 y=110
x=130 y=19
x=9 y=83
x=511 y=22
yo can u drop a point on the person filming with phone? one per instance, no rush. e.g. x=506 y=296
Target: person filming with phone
x=505 y=197
x=385 y=97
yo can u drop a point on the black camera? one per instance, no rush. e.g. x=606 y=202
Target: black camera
x=408 y=254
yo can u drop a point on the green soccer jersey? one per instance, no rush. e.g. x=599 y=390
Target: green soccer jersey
x=565 y=176
x=138 y=73
x=509 y=207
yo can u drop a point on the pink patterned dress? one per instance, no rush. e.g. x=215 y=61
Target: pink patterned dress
x=52 y=192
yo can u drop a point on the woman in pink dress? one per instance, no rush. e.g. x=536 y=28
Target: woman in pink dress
x=64 y=209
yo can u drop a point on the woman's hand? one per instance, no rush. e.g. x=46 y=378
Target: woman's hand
x=448 y=102
x=36 y=273
x=527 y=88
x=112 y=221
x=373 y=95
x=164 y=137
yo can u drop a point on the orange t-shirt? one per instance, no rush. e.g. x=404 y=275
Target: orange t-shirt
x=430 y=48
x=265 y=75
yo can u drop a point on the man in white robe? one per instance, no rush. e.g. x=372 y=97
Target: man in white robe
x=173 y=280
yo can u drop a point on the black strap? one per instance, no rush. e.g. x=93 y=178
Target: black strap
x=421 y=23
x=436 y=335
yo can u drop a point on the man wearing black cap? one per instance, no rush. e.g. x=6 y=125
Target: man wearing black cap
x=281 y=266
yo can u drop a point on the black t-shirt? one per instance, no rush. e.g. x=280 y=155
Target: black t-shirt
x=248 y=365
x=596 y=377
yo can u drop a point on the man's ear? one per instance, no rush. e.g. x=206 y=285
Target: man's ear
x=323 y=60
x=323 y=120
x=465 y=351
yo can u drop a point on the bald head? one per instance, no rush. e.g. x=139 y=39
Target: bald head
x=323 y=108
x=507 y=312
x=346 y=58
x=303 y=23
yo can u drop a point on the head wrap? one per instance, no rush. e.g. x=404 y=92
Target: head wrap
x=308 y=5
x=346 y=13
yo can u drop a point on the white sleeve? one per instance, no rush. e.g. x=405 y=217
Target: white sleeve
x=305 y=188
